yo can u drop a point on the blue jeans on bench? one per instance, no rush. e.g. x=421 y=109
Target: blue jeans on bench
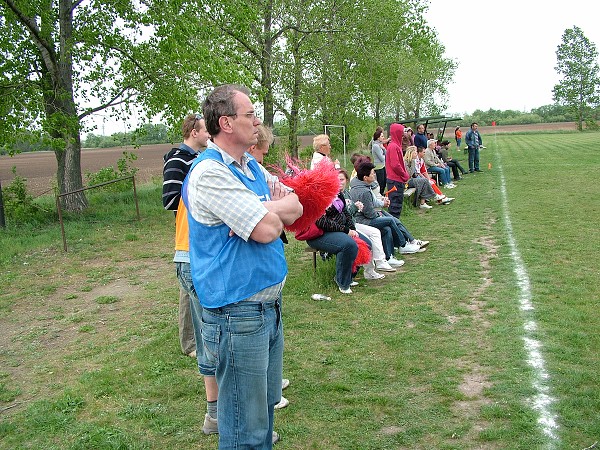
x=444 y=173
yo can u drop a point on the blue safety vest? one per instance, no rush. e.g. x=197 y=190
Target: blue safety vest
x=226 y=269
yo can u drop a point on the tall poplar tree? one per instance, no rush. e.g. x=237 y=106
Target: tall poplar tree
x=577 y=63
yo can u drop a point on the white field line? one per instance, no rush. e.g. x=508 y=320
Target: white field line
x=542 y=401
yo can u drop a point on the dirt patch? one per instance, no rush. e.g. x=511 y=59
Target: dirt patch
x=475 y=380
x=45 y=340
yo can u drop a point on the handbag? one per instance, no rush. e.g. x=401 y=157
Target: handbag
x=312 y=232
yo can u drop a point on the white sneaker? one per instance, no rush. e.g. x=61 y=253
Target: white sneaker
x=282 y=403
x=354 y=283
x=370 y=274
x=345 y=291
x=395 y=262
x=447 y=200
x=440 y=196
x=420 y=243
x=409 y=248
x=384 y=266
x=425 y=206
x=284 y=383
x=450 y=186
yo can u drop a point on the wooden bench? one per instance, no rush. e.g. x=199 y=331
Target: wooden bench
x=435 y=176
x=408 y=193
x=314 y=252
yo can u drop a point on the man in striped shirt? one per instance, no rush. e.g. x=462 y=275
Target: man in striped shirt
x=177 y=164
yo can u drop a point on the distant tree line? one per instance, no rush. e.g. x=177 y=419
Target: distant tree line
x=543 y=114
x=161 y=134
x=146 y=134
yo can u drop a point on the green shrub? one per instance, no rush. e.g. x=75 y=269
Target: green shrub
x=124 y=169
x=19 y=205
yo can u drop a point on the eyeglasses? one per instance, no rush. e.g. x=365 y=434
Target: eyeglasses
x=252 y=116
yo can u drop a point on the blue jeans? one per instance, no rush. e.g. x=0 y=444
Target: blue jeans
x=345 y=250
x=407 y=236
x=443 y=172
x=184 y=275
x=398 y=238
x=245 y=342
x=473 y=159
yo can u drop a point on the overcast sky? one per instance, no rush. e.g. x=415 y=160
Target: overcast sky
x=506 y=50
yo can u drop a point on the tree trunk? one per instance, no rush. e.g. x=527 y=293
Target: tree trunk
x=266 y=62
x=2 y=221
x=377 y=107
x=294 y=110
x=69 y=175
x=61 y=109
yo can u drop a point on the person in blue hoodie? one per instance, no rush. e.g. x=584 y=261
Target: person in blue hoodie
x=236 y=213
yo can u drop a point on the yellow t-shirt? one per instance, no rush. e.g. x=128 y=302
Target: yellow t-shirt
x=182 y=231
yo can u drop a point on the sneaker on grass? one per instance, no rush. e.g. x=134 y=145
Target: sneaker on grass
x=210 y=425
x=384 y=266
x=370 y=274
x=420 y=243
x=409 y=248
x=284 y=402
x=395 y=262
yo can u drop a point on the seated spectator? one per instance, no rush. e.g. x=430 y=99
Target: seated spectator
x=444 y=154
x=423 y=189
x=417 y=166
x=322 y=149
x=391 y=235
x=435 y=165
x=380 y=202
x=374 y=235
x=337 y=239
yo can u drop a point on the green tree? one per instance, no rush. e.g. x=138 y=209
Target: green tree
x=577 y=63
x=63 y=60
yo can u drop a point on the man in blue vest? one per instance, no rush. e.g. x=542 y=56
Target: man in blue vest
x=236 y=213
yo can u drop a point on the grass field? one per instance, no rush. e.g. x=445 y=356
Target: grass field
x=490 y=339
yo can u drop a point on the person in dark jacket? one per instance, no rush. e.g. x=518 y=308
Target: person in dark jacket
x=473 y=141
x=177 y=163
x=420 y=138
x=338 y=238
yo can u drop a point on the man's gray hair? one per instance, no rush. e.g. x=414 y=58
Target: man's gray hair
x=220 y=102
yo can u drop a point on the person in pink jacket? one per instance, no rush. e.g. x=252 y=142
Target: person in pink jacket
x=396 y=173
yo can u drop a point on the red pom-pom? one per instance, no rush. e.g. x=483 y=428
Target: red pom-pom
x=363 y=256
x=315 y=188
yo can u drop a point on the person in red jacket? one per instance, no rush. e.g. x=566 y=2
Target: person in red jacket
x=396 y=172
